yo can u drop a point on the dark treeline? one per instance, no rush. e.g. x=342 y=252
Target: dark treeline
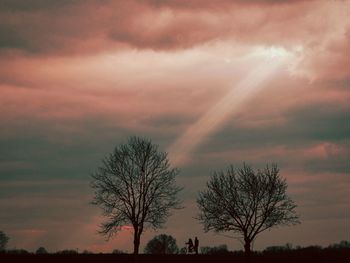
x=333 y=253
x=341 y=247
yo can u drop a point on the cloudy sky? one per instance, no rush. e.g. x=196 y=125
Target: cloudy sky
x=212 y=82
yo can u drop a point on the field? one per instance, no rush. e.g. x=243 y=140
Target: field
x=316 y=256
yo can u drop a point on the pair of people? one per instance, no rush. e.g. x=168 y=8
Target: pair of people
x=193 y=247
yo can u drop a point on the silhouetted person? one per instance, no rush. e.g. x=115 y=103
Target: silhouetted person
x=196 y=245
x=190 y=245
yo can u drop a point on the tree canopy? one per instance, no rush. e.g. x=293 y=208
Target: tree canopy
x=135 y=185
x=246 y=202
x=162 y=244
x=41 y=250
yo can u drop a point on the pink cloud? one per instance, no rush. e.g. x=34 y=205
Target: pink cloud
x=155 y=67
x=325 y=150
x=295 y=154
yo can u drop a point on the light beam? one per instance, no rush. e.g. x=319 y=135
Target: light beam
x=227 y=106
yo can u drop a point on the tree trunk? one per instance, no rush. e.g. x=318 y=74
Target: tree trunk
x=247 y=251
x=136 y=241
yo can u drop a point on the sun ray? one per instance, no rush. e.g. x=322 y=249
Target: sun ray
x=272 y=59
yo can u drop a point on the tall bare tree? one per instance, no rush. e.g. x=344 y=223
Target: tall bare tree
x=246 y=202
x=135 y=185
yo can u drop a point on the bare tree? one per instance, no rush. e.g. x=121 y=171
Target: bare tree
x=135 y=185
x=246 y=202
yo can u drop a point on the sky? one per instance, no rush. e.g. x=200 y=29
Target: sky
x=213 y=83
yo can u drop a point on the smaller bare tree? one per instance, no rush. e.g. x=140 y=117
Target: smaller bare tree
x=246 y=202
x=135 y=185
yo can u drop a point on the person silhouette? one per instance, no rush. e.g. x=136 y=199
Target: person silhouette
x=190 y=245
x=196 y=245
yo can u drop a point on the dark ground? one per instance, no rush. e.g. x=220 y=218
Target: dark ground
x=324 y=256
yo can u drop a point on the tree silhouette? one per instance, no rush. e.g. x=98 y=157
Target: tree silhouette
x=3 y=240
x=246 y=202
x=135 y=185
x=162 y=244
x=41 y=250
x=216 y=250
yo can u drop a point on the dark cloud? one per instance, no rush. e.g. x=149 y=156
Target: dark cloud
x=61 y=27
x=320 y=122
x=10 y=38
x=38 y=150
x=34 y=5
x=311 y=123
x=315 y=137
